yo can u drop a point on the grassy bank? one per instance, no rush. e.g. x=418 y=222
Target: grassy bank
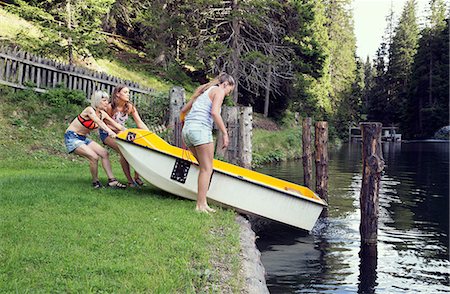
x=57 y=234
x=271 y=146
x=15 y=30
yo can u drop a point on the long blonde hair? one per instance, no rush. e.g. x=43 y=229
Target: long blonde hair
x=220 y=79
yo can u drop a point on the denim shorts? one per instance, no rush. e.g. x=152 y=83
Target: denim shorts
x=73 y=141
x=103 y=135
x=195 y=135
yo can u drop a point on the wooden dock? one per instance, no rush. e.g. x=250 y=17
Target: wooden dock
x=388 y=134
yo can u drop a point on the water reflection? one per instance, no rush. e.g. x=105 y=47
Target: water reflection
x=412 y=251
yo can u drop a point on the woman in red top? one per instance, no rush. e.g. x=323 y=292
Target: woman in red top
x=76 y=141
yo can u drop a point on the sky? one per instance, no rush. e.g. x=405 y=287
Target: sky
x=370 y=22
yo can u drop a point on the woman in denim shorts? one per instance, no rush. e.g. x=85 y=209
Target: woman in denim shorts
x=202 y=110
x=76 y=141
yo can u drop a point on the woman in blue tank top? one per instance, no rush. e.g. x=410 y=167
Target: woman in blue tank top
x=202 y=110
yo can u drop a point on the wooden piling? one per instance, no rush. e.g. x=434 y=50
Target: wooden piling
x=307 y=153
x=177 y=98
x=373 y=165
x=245 y=137
x=321 y=144
x=230 y=119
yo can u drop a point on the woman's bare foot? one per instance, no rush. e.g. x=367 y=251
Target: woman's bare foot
x=204 y=208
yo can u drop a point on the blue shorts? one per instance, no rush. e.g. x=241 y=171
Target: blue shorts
x=103 y=135
x=195 y=135
x=73 y=141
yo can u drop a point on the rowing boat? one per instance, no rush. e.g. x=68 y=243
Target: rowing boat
x=176 y=170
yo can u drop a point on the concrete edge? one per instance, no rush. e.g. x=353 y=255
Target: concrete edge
x=252 y=267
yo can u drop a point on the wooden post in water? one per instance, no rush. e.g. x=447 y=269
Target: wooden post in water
x=373 y=165
x=321 y=143
x=177 y=98
x=307 y=153
x=245 y=137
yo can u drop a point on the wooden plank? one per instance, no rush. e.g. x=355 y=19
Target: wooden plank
x=14 y=85
x=2 y=68
x=54 y=78
x=85 y=86
x=20 y=71
x=8 y=69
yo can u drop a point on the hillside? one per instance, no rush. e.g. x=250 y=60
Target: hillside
x=122 y=60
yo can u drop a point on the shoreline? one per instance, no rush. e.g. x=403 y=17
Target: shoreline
x=251 y=266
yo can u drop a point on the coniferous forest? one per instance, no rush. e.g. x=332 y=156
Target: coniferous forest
x=287 y=55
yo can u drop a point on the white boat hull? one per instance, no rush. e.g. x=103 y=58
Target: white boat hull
x=227 y=190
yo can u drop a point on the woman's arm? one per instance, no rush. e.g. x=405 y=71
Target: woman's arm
x=137 y=119
x=112 y=124
x=91 y=113
x=217 y=99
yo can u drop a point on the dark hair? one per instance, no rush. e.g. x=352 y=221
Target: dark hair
x=129 y=106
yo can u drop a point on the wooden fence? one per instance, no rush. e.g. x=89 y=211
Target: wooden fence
x=21 y=69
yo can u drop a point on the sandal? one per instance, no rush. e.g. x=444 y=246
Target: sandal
x=97 y=185
x=139 y=182
x=133 y=185
x=114 y=183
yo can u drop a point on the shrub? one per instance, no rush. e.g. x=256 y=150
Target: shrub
x=154 y=111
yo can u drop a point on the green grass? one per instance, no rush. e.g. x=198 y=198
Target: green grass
x=11 y=25
x=57 y=234
x=270 y=146
x=118 y=69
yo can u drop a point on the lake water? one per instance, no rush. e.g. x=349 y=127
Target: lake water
x=413 y=236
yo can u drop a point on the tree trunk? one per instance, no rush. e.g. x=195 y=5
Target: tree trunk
x=268 y=85
x=236 y=54
x=69 y=26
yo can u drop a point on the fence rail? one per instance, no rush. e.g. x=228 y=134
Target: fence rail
x=21 y=69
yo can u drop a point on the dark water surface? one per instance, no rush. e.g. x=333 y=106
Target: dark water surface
x=413 y=237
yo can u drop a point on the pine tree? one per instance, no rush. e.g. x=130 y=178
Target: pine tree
x=69 y=27
x=342 y=49
x=308 y=36
x=401 y=57
x=377 y=94
x=427 y=102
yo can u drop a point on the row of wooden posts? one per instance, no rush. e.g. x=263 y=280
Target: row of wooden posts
x=20 y=70
x=373 y=165
x=238 y=121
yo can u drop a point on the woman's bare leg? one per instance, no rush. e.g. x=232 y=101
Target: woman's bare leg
x=123 y=162
x=90 y=154
x=205 y=155
x=103 y=154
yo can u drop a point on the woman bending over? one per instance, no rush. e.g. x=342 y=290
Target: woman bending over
x=76 y=141
x=204 y=109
